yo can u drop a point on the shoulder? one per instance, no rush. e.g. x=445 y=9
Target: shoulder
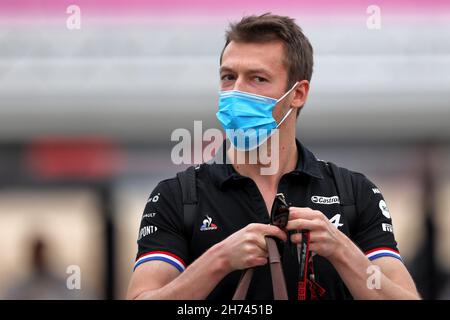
x=168 y=186
x=172 y=185
x=359 y=180
x=358 y=185
x=166 y=193
x=205 y=171
x=362 y=184
x=165 y=202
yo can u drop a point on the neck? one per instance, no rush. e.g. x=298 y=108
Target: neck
x=284 y=157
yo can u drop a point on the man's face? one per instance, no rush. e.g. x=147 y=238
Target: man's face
x=256 y=68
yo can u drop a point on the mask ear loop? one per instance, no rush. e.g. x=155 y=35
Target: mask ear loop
x=284 y=118
x=290 y=110
x=289 y=91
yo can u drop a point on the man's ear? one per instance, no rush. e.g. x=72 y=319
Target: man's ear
x=300 y=94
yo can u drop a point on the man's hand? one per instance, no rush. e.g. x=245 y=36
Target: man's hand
x=243 y=249
x=247 y=248
x=349 y=261
x=325 y=238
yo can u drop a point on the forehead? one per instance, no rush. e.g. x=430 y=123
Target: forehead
x=244 y=55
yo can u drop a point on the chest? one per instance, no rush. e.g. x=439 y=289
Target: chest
x=223 y=212
x=268 y=193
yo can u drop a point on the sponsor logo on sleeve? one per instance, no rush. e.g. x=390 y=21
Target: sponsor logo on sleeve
x=148 y=215
x=387 y=227
x=384 y=209
x=154 y=199
x=376 y=191
x=147 y=230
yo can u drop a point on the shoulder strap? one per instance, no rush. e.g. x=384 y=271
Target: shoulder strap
x=188 y=186
x=344 y=186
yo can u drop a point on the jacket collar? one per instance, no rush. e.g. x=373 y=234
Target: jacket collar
x=223 y=172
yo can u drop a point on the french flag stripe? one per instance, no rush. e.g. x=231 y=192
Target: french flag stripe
x=382 y=252
x=168 y=257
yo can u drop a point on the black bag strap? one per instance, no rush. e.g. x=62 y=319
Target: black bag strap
x=344 y=186
x=188 y=184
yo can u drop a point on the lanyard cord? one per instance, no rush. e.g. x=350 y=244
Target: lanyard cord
x=306 y=271
x=303 y=259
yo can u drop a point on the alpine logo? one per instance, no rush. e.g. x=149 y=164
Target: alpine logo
x=207 y=224
x=325 y=200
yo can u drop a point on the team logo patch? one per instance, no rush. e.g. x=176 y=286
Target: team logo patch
x=207 y=224
x=384 y=209
x=325 y=200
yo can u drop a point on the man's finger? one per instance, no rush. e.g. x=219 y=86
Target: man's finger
x=301 y=224
x=296 y=237
x=275 y=232
x=303 y=213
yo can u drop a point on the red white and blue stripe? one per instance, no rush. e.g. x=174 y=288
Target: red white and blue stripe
x=168 y=257
x=382 y=252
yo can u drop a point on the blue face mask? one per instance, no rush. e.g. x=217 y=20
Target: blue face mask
x=247 y=118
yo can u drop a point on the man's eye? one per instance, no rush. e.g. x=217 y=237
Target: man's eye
x=227 y=77
x=260 y=79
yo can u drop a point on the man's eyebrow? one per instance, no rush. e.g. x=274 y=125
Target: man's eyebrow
x=249 y=71
x=259 y=70
x=224 y=68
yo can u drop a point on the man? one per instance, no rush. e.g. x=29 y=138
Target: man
x=265 y=72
